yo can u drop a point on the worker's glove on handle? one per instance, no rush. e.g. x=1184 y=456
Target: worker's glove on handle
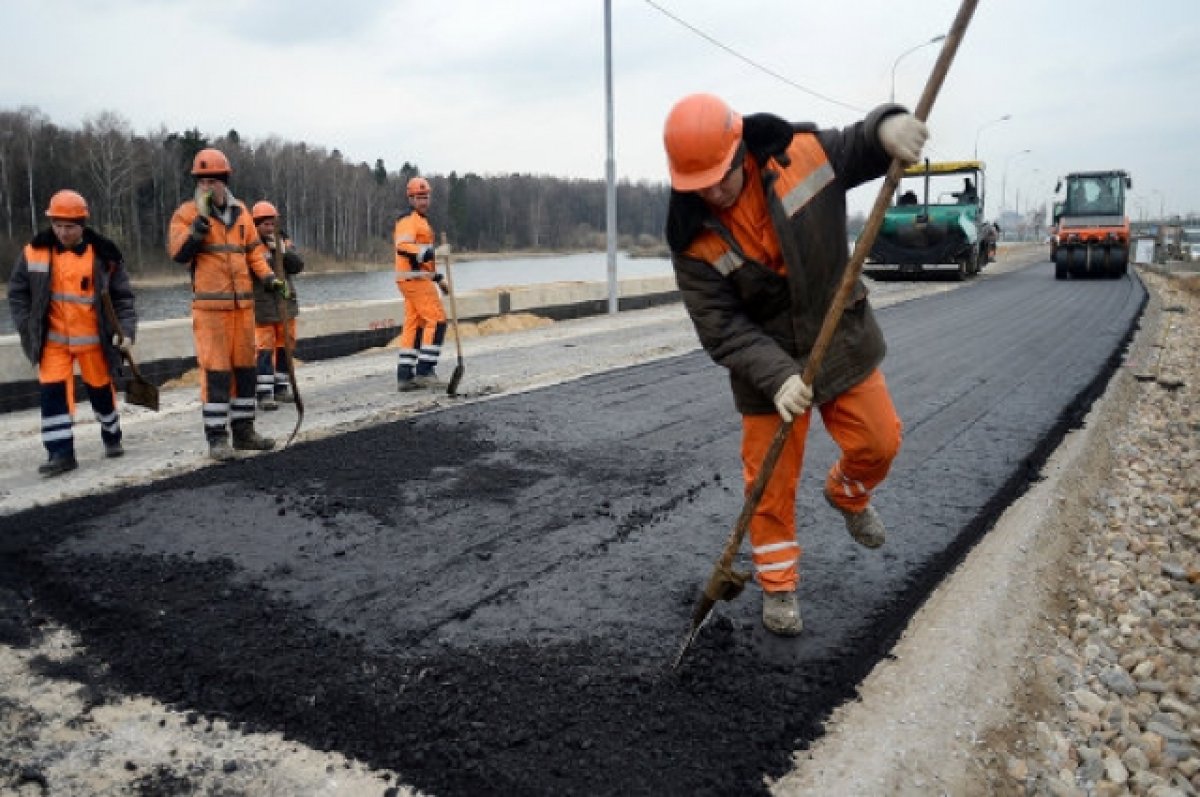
x=200 y=228
x=793 y=398
x=203 y=202
x=440 y=279
x=276 y=285
x=426 y=254
x=902 y=136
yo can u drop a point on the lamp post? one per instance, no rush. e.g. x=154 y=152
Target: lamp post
x=934 y=40
x=983 y=127
x=1004 y=177
x=1162 y=205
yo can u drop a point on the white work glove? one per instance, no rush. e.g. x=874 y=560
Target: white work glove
x=126 y=348
x=793 y=398
x=902 y=136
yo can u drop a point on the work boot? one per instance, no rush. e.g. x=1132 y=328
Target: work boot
x=267 y=404
x=219 y=449
x=428 y=381
x=408 y=385
x=58 y=464
x=114 y=450
x=285 y=396
x=246 y=439
x=865 y=527
x=781 y=613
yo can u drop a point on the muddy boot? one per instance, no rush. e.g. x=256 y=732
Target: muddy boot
x=58 y=464
x=246 y=439
x=284 y=396
x=427 y=381
x=114 y=450
x=267 y=404
x=408 y=385
x=781 y=613
x=865 y=527
x=219 y=449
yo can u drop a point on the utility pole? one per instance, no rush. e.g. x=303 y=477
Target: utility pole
x=610 y=166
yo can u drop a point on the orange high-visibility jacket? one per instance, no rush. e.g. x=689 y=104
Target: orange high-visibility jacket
x=413 y=238
x=221 y=264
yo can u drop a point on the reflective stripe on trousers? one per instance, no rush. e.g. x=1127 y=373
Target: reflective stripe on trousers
x=863 y=423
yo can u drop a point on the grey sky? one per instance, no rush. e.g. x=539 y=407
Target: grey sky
x=518 y=86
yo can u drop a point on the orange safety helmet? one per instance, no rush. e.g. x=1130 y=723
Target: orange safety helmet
x=418 y=186
x=69 y=205
x=263 y=210
x=211 y=163
x=701 y=136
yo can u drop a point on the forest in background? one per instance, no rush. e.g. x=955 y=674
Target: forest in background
x=332 y=208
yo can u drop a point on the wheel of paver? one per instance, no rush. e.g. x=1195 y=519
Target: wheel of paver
x=1079 y=262
x=1061 y=264
x=963 y=269
x=975 y=261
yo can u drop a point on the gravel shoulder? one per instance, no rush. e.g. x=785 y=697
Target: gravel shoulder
x=1014 y=656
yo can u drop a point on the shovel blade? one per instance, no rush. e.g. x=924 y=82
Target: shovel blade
x=142 y=393
x=455 y=378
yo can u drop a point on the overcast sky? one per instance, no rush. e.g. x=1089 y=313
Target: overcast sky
x=518 y=85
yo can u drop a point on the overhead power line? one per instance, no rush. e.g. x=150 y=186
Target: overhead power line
x=712 y=40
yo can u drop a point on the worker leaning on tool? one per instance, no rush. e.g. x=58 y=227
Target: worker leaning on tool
x=757 y=231
x=54 y=293
x=213 y=234
x=416 y=273
x=271 y=331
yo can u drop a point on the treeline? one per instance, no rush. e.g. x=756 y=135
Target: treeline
x=331 y=207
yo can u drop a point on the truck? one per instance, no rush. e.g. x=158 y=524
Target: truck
x=1091 y=233
x=931 y=226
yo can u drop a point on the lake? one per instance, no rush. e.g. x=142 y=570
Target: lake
x=174 y=301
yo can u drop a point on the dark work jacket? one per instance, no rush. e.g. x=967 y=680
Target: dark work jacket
x=29 y=295
x=759 y=324
x=266 y=306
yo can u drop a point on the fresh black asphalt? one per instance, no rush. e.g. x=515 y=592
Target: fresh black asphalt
x=486 y=598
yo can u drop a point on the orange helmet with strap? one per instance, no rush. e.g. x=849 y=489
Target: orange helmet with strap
x=211 y=163
x=701 y=136
x=263 y=210
x=69 y=205
x=418 y=186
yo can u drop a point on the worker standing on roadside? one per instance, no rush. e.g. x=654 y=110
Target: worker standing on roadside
x=55 y=296
x=416 y=273
x=213 y=234
x=757 y=231
x=271 y=331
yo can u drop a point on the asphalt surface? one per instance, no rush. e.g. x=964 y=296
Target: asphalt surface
x=486 y=598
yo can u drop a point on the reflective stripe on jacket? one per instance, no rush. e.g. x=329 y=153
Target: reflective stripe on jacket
x=30 y=293
x=413 y=239
x=222 y=263
x=761 y=324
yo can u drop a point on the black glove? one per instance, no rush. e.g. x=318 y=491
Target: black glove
x=200 y=227
x=426 y=255
x=438 y=277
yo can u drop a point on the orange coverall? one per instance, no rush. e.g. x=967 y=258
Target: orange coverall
x=222 y=309
x=424 y=316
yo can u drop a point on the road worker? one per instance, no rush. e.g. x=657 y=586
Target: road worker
x=56 y=295
x=213 y=234
x=757 y=230
x=272 y=332
x=416 y=274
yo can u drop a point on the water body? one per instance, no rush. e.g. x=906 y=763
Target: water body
x=174 y=301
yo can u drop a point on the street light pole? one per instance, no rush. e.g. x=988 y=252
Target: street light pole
x=983 y=127
x=934 y=40
x=1004 y=177
x=610 y=167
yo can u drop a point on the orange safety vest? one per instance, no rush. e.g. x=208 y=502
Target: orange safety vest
x=412 y=236
x=793 y=181
x=72 y=311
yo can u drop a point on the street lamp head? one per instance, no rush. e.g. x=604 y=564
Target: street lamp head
x=941 y=37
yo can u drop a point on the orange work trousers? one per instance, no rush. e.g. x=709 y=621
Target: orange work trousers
x=863 y=423
x=225 y=351
x=421 y=338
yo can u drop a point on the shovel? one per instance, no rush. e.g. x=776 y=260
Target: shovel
x=456 y=377
x=138 y=390
x=725 y=583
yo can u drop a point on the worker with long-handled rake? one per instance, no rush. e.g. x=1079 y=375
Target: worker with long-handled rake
x=757 y=230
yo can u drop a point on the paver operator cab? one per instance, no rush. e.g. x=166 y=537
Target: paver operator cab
x=936 y=222
x=1091 y=230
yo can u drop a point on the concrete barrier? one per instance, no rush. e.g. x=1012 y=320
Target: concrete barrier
x=165 y=349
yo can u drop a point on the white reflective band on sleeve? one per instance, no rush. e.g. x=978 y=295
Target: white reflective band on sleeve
x=39 y=266
x=729 y=263
x=775 y=567
x=406 y=239
x=799 y=196
x=773 y=547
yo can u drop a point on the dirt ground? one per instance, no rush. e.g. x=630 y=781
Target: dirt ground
x=977 y=642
